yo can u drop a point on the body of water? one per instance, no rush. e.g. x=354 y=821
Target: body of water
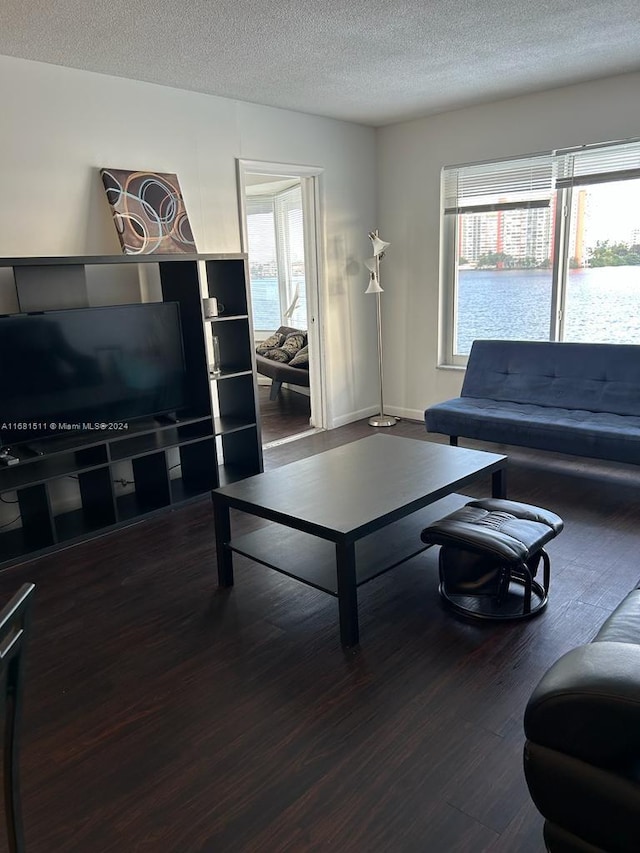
x=265 y=301
x=602 y=305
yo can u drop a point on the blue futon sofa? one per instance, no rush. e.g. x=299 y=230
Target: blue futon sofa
x=582 y=399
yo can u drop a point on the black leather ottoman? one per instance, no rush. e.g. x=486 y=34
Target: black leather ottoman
x=489 y=556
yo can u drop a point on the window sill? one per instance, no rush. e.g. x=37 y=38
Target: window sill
x=451 y=367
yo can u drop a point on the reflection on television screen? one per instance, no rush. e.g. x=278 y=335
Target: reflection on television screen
x=89 y=365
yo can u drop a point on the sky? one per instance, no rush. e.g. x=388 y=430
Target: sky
x=613 y=211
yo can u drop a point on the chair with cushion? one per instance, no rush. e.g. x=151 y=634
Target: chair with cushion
x=14 y=621
x=489 y=556
x=284 y=357
x=582 y=755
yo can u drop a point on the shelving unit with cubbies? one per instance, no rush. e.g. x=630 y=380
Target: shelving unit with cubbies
x=234 y=388
x=72 y=488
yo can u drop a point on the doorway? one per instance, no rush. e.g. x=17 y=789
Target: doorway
x=279 y=224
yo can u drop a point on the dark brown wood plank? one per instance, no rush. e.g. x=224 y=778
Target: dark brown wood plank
x=285 y=416
x=163 y=715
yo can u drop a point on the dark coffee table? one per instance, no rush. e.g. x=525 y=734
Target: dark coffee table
x=346 y=515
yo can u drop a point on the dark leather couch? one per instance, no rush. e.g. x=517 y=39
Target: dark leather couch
x=582 y=755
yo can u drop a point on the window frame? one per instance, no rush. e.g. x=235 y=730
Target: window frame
x=286 y=288
x=568 y=172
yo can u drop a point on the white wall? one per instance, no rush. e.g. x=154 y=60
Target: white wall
x=410 y=158
x=60 y=125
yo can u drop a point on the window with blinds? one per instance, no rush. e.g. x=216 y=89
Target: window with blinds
x=275 y=237
x=543 y=247
x=263 y=263
x=598 y=164
x=290 y=238
x=525 y=182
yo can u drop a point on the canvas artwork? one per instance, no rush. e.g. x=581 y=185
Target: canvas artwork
x=148 y=211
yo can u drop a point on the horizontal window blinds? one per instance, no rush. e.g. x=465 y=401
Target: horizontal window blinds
x=530 y=181
x=598 y=163
x=290 y=228
x=507 y=185
x=259 y=204
x=261 y=233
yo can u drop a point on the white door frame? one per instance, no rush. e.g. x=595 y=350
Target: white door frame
x=311 y=185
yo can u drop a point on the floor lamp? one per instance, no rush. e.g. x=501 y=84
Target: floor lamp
x=373 y=265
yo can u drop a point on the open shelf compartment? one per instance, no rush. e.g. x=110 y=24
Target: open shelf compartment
x=312 y=560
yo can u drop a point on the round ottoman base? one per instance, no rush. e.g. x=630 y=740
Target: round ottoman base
x=487 y=607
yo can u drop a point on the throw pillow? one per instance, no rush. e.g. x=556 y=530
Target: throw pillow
x=278 y=354
x=274 y=340
x=294 y=342
x=301 y=358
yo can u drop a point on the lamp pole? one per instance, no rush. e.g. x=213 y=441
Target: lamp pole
x=379 y=420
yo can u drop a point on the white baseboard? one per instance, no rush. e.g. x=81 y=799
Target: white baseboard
x=406 y=414
x=343 y=420
x=396 y=411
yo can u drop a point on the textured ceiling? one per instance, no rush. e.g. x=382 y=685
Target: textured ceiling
x=375 y=62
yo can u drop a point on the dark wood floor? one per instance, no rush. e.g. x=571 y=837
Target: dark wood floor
x=164 y=716
x=287 y=415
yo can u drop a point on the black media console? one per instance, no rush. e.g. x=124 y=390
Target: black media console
x=71 y=486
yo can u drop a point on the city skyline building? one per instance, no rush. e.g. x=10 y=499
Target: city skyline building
x=525 y=236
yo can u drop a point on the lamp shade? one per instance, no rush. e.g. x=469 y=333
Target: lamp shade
x=378 y=245
x=374 y=285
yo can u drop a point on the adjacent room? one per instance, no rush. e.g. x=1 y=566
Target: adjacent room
x=319 y=427
x=282 y=247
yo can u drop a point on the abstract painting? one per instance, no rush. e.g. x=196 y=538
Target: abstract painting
x=148 y=211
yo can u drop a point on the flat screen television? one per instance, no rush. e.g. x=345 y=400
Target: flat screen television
x=84 y=369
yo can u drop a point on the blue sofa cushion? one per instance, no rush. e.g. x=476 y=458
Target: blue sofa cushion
x=590 y=377
x=600 y=435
